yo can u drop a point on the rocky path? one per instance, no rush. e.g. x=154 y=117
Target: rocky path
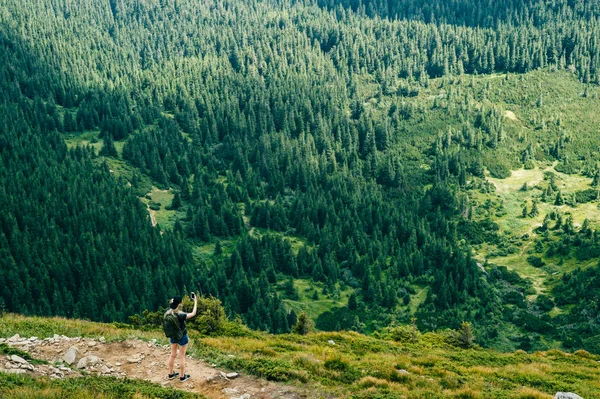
x=69 y=357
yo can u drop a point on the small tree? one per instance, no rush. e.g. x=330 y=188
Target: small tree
x=176 y=203
x=534 y=209
x=218 y=248
x=352 y=302
x=304 y=325
x=465 y=337
x=524 y=212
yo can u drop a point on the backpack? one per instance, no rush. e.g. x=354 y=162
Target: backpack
x=172 y=327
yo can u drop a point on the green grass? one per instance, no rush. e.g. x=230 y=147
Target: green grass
x=353 y=366
x=360 y=366
x=314 y=308
x=31 y=326
x=418 y=298
x=84 y=139
x=25 y=387
x=521 y=231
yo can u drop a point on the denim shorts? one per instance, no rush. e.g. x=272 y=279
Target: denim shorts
x=182 y=342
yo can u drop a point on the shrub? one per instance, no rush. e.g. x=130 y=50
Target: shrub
x=498 y=170
x=304 y=325
x=535 y=261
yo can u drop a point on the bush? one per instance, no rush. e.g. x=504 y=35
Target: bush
x=535 y=261
x=404 y=334
x=304 y=325
x=498 y=170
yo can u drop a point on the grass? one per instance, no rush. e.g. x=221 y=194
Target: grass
x=32 y=326
x=418 y=298
x=366 y=366
x=26 y=387
x=312 y=307
x=84 y=139
x=521 y=231
x=353 y=366
x=164 y=217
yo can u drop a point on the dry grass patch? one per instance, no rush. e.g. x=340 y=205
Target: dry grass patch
x=369 y=382
x=530 y=393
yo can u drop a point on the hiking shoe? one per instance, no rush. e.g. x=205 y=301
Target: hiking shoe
x=171 y=376
x=184 y=378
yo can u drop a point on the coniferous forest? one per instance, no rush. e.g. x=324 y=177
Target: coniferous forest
x=348 y=146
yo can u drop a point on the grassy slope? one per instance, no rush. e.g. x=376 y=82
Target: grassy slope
x=354 y=366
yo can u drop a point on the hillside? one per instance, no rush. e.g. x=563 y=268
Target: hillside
x=368 y=163
x=398 y=364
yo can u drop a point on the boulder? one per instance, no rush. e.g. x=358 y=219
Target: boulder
x=70 y=355
x=88 y=361
x=18 y=359
x=566 y=395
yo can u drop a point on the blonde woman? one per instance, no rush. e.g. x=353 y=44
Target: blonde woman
x=175 y=305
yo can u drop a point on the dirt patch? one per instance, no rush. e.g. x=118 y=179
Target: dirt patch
x=148 y=361
x=510 y=115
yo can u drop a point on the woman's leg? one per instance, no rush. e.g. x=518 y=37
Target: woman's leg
x=182 y=350
x=172 y=358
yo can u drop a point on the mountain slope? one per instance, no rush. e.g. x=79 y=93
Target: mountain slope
x=401 y=364
x=280 y=145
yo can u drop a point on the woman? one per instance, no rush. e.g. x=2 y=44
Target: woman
x=175 y=308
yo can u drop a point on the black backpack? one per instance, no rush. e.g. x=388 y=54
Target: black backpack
x=172 y=327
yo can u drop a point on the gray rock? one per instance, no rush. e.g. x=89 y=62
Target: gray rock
x=16 y=371
x=102 y=340
x=230 y=391
x=18 y=359
x=105 y=370
x=91 y=343
x=232 y=375
x=71 y=355
x=244 y=396
x=14 y=338
x=136 y=359
x=331 y=342
x=28 y=367
x=10 y=365
x=402 y=371
x=566 y=395
x=88 y=361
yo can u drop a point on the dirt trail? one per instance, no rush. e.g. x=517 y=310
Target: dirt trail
x=148 y=361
